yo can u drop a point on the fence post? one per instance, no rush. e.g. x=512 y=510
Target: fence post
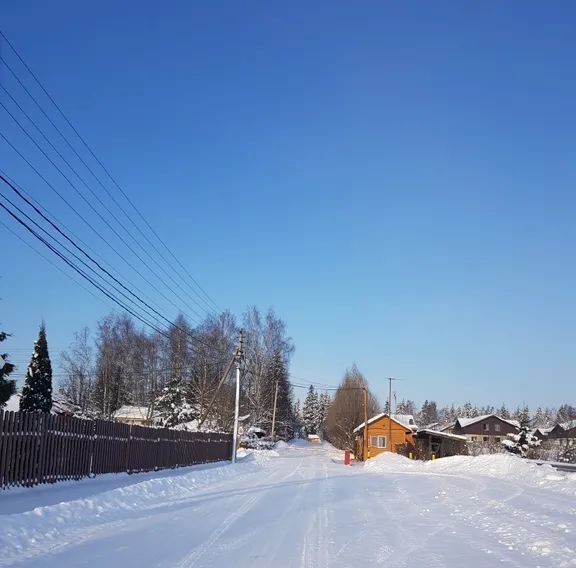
x=128 y=449
x=92 y=450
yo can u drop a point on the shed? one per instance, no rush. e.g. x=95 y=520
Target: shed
x=430 y=443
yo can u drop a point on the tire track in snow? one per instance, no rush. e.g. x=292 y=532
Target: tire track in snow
x=314 y=548
x=199 y=553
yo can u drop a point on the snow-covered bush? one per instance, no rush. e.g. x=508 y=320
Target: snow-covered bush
x=522 y=443
x=568 y=454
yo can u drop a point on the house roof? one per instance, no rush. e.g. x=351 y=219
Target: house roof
x=127 y=411
x=439 y=434
x=406 y=419
x=468 y=421
x=398 y=418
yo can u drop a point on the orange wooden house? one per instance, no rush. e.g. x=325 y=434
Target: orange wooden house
x=381 y=431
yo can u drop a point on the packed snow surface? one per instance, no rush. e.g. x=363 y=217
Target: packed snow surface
x=298 y=505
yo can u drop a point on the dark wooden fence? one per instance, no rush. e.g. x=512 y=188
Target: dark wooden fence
x=45 y=448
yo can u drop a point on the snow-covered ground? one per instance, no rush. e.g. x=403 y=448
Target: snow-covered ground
x=300 y=506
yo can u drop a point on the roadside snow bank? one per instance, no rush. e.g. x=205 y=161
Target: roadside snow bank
x=501 y=466
x=43 y=529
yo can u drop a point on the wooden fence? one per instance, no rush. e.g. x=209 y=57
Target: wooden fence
x=45 y=448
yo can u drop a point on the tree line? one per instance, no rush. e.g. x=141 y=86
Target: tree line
x=179 y=377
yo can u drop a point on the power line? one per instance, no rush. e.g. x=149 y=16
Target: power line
x=85 y=144
x=129 y=217
x=82 y=261
x=46 y=214
x=189 y=336
x=12 y=350
x=91 y=206
x=87 y=223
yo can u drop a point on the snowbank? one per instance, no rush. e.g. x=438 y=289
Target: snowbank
x=54 y=525
x=501 y=466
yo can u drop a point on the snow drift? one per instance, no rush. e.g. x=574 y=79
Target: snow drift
x=501 y=466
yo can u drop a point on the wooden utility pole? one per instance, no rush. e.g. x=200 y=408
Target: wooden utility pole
x=390 y=411
x=274 y=412
x=365 y=455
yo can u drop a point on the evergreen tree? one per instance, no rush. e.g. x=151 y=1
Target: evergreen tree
x=406 y=407
x=428 y=413
x=7 y=386
x=278 y=375
x=504 y=413
x=540 y=418
x=566 y=413
x=298 y=422
x=469 y=411
x=37 y=390
x=310 y=412
x=324 y=402
x=523 y=416
x=171 y=406
x=522 y=442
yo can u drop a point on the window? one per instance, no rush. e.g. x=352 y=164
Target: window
x=497 y=427
x=497 y=439
x=485 y=439
x=378 y=441
x=473 y=438
x=486 y=427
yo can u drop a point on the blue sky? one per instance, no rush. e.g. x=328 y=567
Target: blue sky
x=396 y=179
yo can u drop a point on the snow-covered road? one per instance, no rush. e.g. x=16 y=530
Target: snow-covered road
x=301 y=508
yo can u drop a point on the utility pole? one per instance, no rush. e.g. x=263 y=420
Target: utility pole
x=274 y=412
x=366 y=450
x=238 y=360
x=390 y=379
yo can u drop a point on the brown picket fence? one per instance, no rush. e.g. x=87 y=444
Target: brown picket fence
x=45 y=448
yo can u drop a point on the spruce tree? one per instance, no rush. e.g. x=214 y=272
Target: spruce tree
x=310 y=412
x=521 y=443
x=171 y=406
x=285 y=419
x=324 y=402
x=7 y=386
x=37 y=390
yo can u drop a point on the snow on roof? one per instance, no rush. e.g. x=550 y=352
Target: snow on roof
x=313 y=437
x=60 y=405
x=467 y=421
x=406 y=419
x=438 y=434
x=402 y=419
x=128 y=411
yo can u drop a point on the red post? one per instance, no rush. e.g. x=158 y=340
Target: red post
x=346 y=457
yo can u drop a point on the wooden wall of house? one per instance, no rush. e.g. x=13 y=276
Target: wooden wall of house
x=381 y=427
x=477 y=429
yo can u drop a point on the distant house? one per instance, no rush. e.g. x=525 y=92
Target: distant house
x=385 y=434
x=541 y=433
x=138 y=415
x=489 y=428
x=313 y=439
x=564 y=433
